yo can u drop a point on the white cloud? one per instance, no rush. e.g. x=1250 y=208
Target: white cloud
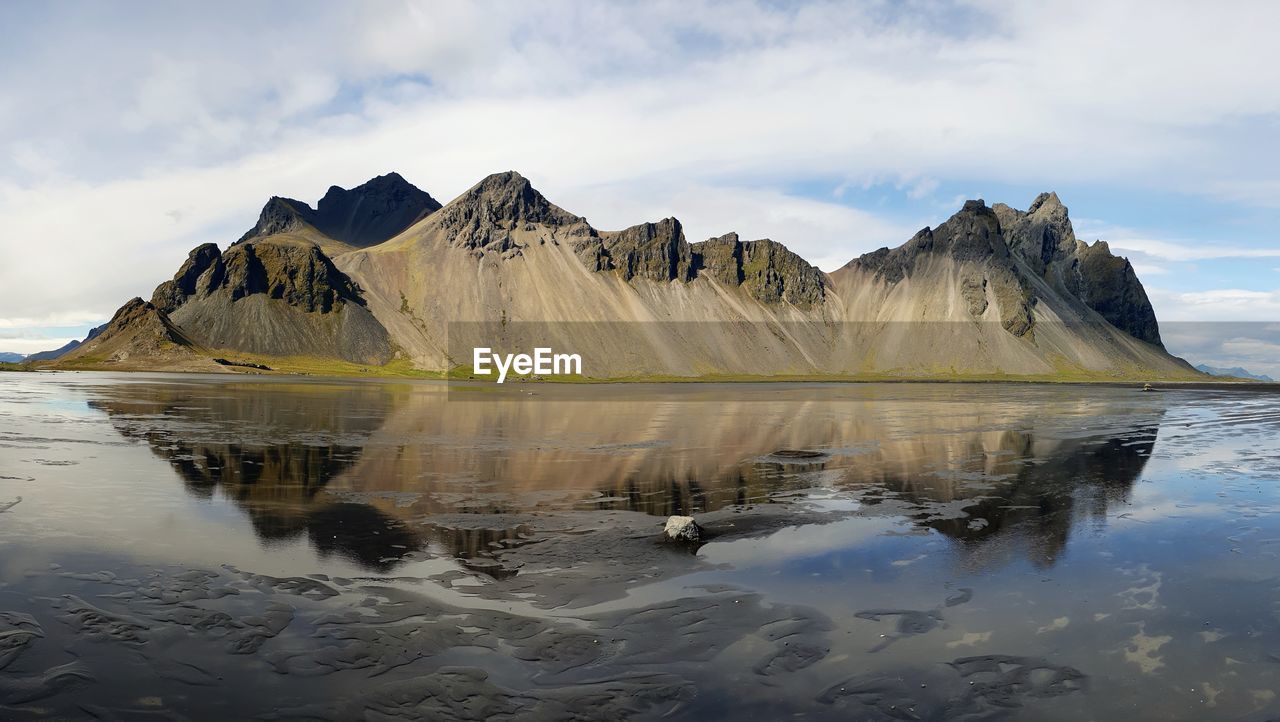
x=1219 y=305
x=1186 y=250
x=194 y=114
x=1254 y=347
x=27 y=346
x=1149 y=269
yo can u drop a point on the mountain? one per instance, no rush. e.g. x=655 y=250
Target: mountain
x=276 y=296
x=363 y=216
x=63 y=350
x=11 y=358
x=383 y=274
x=1235 y=372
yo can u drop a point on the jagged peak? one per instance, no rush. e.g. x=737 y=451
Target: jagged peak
x=279 y=215
x=501 y=201
x=366 y=215
x=669 y=227
x=974 y=211
x=1045 y=204
x=1048 y=202
x=506 y=195
x=388 y=184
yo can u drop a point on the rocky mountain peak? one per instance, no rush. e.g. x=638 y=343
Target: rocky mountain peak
x=509 y=198
x=484 y=218
x=1049 y=202
x=1041 y=234
x=765 y=269
x=971 y=234
x=202 y=272
x=364 y=216
x=279 y=215
x=657 y=251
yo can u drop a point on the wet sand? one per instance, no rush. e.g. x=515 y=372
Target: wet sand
x=217 y=548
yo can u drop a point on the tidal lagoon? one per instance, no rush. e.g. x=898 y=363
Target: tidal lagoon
x=212 y=547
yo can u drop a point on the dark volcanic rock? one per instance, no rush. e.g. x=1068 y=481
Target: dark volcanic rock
x=276 y=297
x=1040 y=236
x=973 y=234
x=371 y=213
x=656 y=251
x=1043 y=238
x=772 y=273
x=1014 y=247
x=764 y=268
x=200 y=274
x=300 y=275
x=363 y=216
x=484 y=218
x=1110 y=287
x=279 y=215
x=720 y=258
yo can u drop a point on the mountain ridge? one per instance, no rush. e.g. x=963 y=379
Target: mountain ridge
x=366 y=215
x=1234 y=372
x=1016 y=292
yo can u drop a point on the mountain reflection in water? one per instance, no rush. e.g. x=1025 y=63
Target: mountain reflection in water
x=360 y=469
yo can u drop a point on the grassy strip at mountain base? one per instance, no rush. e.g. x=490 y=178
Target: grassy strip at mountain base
x=403 y=368
x=466 y=373
x=6 y=366
x=312 y=366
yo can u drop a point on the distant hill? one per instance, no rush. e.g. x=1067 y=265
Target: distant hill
x=11 y=358
x=383 y=273
x=65 y=349
x=1236 y=372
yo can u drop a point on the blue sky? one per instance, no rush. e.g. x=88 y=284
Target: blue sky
x=132 y=133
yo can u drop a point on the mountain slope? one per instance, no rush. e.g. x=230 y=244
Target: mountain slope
x=996 y=288
x=139 y=336
x=991 y=291
x=275 y=296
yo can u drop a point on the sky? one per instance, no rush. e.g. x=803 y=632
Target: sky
x=131 y=132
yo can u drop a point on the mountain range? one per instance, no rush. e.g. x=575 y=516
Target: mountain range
x=383 y=277
x=1233 y=372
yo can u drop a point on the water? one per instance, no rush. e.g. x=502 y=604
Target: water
x=236 y=547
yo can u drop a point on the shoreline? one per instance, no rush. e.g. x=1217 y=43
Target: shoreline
x=1156 y=384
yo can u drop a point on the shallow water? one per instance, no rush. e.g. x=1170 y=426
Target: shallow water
x=232 y=547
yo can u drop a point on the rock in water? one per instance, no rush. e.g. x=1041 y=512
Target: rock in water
x=682 y=529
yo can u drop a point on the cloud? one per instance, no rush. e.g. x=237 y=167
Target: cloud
x=1220 y=305
x=194 y=114
x=1252 y=346
x=1186 y=250
x=27 y=346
